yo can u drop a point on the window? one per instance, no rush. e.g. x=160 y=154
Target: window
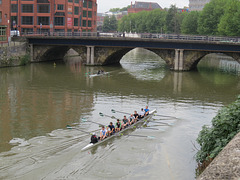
x=84 y=13
x=70 y=0
x=90 y=4
x=3 y=36
x=75 y=21
x=59 y=21
x=60 y=7
x=84 y=24
x=0 y=16
x=89 y=23
x=27 y=8
x=0 y=1
x=27 y=20
x=14 y=8
x=85 y=3
x=43 y=8
x=43 y=20
x=27 y=30
x=43 y=1
x=89 y=14
x=76 y=1
x=76 y=10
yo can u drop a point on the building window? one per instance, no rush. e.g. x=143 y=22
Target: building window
x=76 y=1
x=27 y=20
x=27 y=30
x=90 y=4
x=75 y=21
x=59 y=21
x=43 y=1
x=27 y=8
x=3 y=36
x=84 y=13
x=14 y=8
x=76 y=10
x=89 y=23
x=85 y=3
x=70 y=0
x=43 y=20
x=89 y=14
x=0 y=1
x=84 y=23
x=60 y=7
x=43 y=8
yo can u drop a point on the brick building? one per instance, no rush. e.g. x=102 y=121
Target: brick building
x=143 y=6
x=4 y=20
x=54 y=15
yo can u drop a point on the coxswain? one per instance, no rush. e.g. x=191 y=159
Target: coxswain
x=103 y=133
x=110 y=129
x=118 y=125
x=94 y=138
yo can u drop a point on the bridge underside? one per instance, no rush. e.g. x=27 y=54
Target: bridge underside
x=176 y=59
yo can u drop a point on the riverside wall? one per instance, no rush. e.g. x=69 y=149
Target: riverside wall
x=226 y=166
x=13 y=54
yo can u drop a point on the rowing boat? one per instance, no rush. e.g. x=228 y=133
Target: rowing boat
x=138 y=123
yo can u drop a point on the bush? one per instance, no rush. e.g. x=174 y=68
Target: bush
x=24 y=59
x=225 y=125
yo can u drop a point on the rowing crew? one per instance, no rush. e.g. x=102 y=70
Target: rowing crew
x=111 y=129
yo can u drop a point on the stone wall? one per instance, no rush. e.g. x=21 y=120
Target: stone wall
x=12 y=55
x=226 y=165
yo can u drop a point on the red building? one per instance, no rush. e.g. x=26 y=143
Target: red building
x=143 y=6
x=4 y=20
x=54 y=15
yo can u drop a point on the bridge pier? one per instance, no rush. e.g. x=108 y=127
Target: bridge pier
x=90 y=55
x=178 y=60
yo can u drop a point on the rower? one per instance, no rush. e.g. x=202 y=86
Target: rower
x=131 y=119
x=110 y=129
x=136 y=116
x=141 y=114
x=146 y=111
x=94 y=138
x=103 y=133
x=125 y=122
x=118 y=126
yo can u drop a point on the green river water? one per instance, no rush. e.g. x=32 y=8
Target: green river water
x=38 y=101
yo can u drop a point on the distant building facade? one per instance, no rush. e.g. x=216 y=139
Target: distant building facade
x=4 y=20
x=53 y=15
x=197 y=5
x=143 y=6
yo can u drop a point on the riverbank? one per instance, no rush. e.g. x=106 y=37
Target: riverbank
x=226 y=164
x=13 y=54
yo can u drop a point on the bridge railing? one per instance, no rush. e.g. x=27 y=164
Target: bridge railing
x=136 y=35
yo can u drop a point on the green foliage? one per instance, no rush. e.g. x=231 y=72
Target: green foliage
x=24 y=59
x=190 y=22
x=225 y=125
x=109 y=24
x=119 y=9
x=230 y=23
x=172 y=25
x=210 y=16
x=144 y=21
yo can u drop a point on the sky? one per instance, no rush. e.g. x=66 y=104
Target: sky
x=105 y=5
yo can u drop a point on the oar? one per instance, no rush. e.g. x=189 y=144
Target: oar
x=114 y=111
x=70 y=127
x=149 y=128
x=165 y=116
x=151 y=137
x=84 y=120
x=159 y=122
x=113 y=117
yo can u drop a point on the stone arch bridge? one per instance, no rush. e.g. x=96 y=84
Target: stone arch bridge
x=179 y=55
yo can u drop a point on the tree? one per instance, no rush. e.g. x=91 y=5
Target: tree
x=230 y=22
x=172 y=20
x=210 y=16
x=109 y=24
x=190 y=23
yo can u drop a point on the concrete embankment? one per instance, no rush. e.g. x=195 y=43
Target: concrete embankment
x=226 y=166
x=13 y=54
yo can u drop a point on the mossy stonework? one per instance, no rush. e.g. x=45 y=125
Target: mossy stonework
x=14 y=55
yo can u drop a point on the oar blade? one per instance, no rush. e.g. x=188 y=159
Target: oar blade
x=113 y=111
